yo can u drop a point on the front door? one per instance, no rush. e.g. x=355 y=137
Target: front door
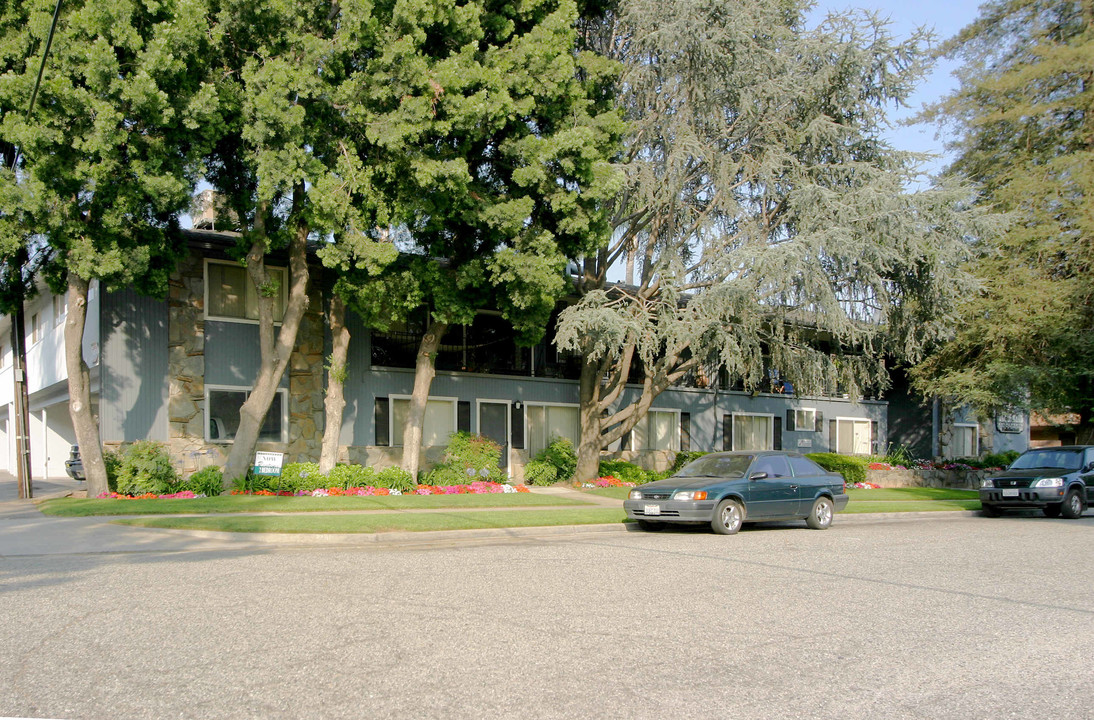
x=494 y=424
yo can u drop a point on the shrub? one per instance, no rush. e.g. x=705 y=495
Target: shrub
x=539 y=472
x=627 y=472
x=299 y=476
x=1003 y=459
x=853 y=469
x=146 y=468
x=113 y=462
x=468 y=458
x=209 y=481
x=395 y=478
x=347 y=476
x=560 y=453
x=683 y=458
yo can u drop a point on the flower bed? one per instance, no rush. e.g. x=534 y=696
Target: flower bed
x=604 y=482
x=475 y=488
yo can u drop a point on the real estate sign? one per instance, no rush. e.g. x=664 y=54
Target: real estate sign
x=268 y=463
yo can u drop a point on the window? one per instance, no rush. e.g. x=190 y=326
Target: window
x=753 y=432
x=805 y=419
x=774 y=465
x=35 y=328
x=60 y=309
x=659 y=430
x=547 y=422
x=439 y=423
x=230 y=294
x=852 y=436
x=966 y=438
x=3 y=357
x=222 y=415
x=803 y=466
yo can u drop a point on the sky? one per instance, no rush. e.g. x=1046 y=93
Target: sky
x=945 y=18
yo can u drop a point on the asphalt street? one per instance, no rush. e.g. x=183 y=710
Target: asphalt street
x=947 y=617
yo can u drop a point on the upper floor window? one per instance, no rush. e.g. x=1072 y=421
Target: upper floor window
x=60 y=309
x=36 y=331
x=230 y=294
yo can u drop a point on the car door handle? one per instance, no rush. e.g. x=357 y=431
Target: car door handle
x=793 y=487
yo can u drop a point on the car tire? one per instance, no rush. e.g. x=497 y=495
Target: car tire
x=1051 y=511
x=650 y=525
x=1072 y=506
x=728 y=517
x=820 y=517
x=990 y=510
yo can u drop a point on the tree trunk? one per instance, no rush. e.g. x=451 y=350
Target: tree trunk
x=275 y=353
x=424 y=370
x=588 y=446
x=79 y=388
x=336 y=382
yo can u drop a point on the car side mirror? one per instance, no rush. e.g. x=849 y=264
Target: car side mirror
x=1088 y=467
x=757 y=476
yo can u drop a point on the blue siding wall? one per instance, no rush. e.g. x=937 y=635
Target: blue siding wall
x=133 y=404
x=707 y=408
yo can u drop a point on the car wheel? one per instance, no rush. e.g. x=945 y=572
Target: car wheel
x=1051 y=510
x=1072 y=506
x=990 y=510
x=649 y=525
x=820 y=517
x=728 y=517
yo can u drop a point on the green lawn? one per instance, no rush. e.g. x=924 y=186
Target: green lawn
x=895 y=494
x=358 y=523
x=80 y=507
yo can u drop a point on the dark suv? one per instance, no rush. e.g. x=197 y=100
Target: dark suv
x=1056 y=480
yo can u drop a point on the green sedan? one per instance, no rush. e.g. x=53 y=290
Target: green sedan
x=731 y=488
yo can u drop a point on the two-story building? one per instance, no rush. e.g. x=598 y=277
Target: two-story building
x=177 y=369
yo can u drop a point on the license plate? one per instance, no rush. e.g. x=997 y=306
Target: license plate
x=1010 y=493
x=651 y=510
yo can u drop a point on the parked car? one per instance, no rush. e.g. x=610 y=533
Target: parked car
x=74 y=466
x=731 y=488
x=1056 y=480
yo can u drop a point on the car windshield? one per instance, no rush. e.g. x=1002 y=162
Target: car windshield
x=1064 y=459
x=717 y=466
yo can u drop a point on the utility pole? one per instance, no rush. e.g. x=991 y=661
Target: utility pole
x=22 y=406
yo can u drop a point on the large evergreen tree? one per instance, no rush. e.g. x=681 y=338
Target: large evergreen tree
x=1023 y=117
x=488 y=137
x=771 y=223
x=108 y=159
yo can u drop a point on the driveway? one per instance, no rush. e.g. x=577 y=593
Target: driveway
x=953 y=617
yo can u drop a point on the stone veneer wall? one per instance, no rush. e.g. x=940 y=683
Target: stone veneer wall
x=970 y=479
x=186 y=377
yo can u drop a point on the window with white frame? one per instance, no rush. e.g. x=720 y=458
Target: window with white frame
x=852 y=436
x=3 y=356
x=659 y=430
x=547 y=422
x=222 y=406
x=805 y=419
x=439 y=423
x=230 y=294
x=966 y=437
x=753 y=432
x=60 y=309
x=35 y=328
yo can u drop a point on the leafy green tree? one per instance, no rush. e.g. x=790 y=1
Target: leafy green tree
x=287 y=165
x=108 y=159
x=488 y=138
x=771 y=226
x=1023 y=121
